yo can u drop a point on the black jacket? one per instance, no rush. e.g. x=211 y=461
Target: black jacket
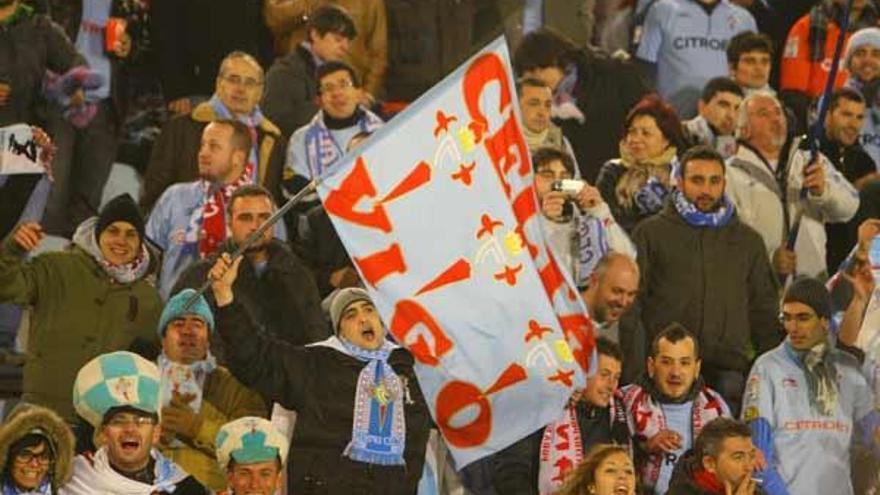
x=283 y=302
x=606 y=90
x=320 y=383
x=682 y=481
x=717 y=282
x=289 y=99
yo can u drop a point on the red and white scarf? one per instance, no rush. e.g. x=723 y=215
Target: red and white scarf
x=646 y=419
x=562 y=450
x=213 y=222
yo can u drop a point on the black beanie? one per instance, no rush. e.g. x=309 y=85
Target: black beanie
x=120 y=209
x=811 y=292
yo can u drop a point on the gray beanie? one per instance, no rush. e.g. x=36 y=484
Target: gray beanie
x=866 y=36
x=342 y=300
x=811 y=292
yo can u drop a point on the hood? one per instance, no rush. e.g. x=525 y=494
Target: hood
x=84 y=238
x=26 y=417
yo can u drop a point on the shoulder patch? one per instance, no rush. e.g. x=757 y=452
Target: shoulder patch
x=751 y=413
x=791 y=47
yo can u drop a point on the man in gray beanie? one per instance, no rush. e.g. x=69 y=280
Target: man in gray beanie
x=805 y=399
x=862 y=60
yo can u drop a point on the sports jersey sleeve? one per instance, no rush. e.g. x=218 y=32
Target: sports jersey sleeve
x=758 y=413
x=795 y=68
x=652 y=34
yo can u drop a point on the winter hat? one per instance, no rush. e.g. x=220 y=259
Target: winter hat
x=120 y=209
x=176 y=308
x=343 y=299
x=811 y=292
x=867 y=36
x=249 y=440
x=116 y=379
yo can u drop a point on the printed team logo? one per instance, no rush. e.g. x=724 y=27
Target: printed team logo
x=732 y=22
x=791 y=47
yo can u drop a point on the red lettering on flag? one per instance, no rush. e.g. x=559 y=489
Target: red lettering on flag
x=458 y=271
x=457 y=395
x=418 y=177
x=354 y=187
x=407 y=315
x=578 y=331
x=380 y=264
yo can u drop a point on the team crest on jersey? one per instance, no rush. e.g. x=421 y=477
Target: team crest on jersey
x=732 y=22
x=791 y=47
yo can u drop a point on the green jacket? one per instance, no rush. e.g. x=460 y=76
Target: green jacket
x=78 y=313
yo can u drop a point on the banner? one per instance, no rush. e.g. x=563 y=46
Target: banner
x=19 y=153
x=439 y=214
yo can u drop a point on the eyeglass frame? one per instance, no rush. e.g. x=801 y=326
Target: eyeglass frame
x=331 y=87
x=26 y=457
x=138 y=421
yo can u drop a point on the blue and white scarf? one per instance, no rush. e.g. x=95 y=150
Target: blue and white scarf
x=322 y=150
x=184 y=379
x=649 y=199
x=45 y=488
x=696 y=218
x=252 y=122
x=378 y=431
x=592 y=246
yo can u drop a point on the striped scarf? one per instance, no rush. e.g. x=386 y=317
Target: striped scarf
x=213 y=211
x=322 y=150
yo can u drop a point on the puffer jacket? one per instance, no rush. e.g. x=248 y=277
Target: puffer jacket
x=23 y=420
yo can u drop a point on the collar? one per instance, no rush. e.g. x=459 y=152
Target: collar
x=145 y=475
x=351 y=121
x=648 y=384
x=707 y=481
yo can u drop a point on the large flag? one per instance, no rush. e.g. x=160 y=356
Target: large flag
x=439 y=214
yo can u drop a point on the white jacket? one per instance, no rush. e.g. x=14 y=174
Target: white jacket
x=754 y=189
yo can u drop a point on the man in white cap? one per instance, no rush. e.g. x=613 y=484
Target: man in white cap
x=362 y=423
x=862 y=60
x=118 y=394
x=253 y=454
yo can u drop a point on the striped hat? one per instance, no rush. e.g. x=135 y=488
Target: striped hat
x=249 y=440
x=116 y=379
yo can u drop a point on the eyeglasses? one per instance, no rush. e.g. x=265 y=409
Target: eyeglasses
x=27 y=457
x=331 y=87
x=798 y=319
x=123 y=421
x=247 y=82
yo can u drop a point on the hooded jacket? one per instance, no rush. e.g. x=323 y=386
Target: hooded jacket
x=24 y=419
x=78 y=312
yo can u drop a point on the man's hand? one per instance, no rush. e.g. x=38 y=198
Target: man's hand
x=814 y=178
x=868 y=230
x=222 y=276
x=123 y=46
x=47 y=149
x=5 y=91
x=28 y=236
x=344 y=277
x=862 y=281
x=784 y=261
x=665 y=441
x=552 y=204
x=180 y=106
x=78 y=98
x=178 y=418
x=745 y=487
x=588 y=197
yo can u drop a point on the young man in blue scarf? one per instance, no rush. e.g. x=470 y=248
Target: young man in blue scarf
x=362 y=423
x=702 y=267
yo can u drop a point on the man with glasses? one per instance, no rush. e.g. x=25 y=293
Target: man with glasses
x=239 y=87
x=118 y=394
x=315 y=147
x=806 y=400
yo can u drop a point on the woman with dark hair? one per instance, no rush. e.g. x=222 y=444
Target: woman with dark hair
x=36 y=451
x=607 y=470
x=636 y=184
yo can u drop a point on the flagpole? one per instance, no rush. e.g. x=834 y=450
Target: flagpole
x=257 y=235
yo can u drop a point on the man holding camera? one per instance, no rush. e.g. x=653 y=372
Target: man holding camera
x=705 y=269
x=578 y=223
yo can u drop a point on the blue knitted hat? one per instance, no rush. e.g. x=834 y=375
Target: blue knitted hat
x=174 y=308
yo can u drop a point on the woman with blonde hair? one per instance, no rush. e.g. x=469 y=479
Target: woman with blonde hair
x=635 y=185
x=607 y=470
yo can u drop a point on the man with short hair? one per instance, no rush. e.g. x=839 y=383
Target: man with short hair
x=669 y=406
x=684 y=43
x=273 y=284
x=253 y=454
x=749 y=60
x=540 y=462
x=805 y=398
x=862 y=61
x=578 y=223
x=704 y=268
x=291 y=91
x=715 y=122
x=118 y=394
x=239 y=86
x=196 y=396
x=721 y=463
x=189 y=220
x=766 y=178
x=536 y=103
x=331 y=384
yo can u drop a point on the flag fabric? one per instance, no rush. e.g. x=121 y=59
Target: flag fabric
x=439 y=214
x=19 y=153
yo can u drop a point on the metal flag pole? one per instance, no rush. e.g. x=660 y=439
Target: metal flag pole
x=257 y=234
